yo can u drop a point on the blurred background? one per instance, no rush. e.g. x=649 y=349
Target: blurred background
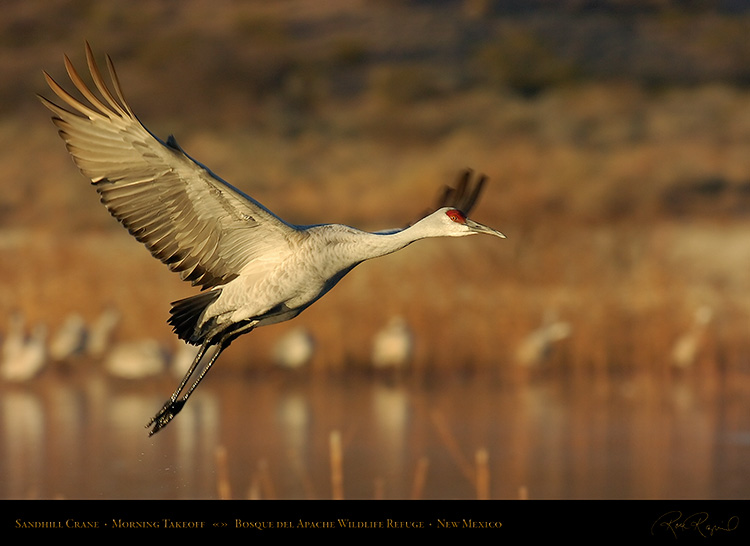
x=601 y=351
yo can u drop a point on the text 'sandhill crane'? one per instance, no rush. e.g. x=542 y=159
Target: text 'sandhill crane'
x=253 y=268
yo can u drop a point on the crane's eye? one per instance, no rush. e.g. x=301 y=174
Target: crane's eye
x=457 y=216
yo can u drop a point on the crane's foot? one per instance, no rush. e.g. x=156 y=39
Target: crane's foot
x=165 y=415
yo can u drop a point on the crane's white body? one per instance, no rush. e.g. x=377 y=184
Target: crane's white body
x=298 y=272
x=255 y=268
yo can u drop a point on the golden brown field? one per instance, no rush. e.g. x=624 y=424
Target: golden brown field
x=625 y=197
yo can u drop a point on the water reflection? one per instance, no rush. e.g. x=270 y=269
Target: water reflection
x=23 y=438
x=635 y=437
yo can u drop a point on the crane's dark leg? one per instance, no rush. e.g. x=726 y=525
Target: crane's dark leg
x=175 y=403
x=173 y=406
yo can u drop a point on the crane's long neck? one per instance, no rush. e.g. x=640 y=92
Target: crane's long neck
x=332 y=250
x=373 y=245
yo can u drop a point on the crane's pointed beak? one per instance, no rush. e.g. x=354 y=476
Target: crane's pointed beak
x=476 y=227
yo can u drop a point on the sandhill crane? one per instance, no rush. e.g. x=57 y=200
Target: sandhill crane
x=15 y=335
x=688 y=345
x=392 y=346
x=24 y=358
x=69 y=340
x=294 y=349
x=136 y=359
x=253 y=267
x=536 y=347
x=100 y=332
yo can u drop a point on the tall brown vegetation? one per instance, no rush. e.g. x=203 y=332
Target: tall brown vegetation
x=625 y=202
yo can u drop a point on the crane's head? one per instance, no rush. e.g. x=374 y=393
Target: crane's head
x=455 y=204
x=451 y=222
x=451 y=217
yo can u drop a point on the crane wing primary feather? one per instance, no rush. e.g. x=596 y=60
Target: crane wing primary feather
x=463 y=197
x=459 y=197
x=199 y=225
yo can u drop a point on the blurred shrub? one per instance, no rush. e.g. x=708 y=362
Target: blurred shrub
x=403 y=84
x=262 y=29
x=348 y=51
x=518 y=59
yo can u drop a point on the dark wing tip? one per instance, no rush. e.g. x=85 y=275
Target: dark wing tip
x=465 y=194
x=172 y=143
x=462 y=196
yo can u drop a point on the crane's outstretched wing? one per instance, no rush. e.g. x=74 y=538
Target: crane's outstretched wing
x=463 y=197
x=197 y=224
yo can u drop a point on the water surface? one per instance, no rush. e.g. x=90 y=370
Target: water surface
x=269 y=436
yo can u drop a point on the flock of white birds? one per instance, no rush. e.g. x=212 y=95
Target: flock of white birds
x=27 y=351
x=25 y=354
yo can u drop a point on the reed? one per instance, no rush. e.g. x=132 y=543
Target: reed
x=378 y=489
x=307 y=483
x=452 y=446
x=420 y=478
x=224 y=488
x=478 y=474
x=254 y=489
x=523 y=493
x=337 y=465
x=481 y=460
x=265 y=480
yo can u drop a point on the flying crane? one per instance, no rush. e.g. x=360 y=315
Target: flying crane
x=253 y=268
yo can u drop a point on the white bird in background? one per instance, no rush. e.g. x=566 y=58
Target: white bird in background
x=15 y=335
x=688 y=345
x=537 y=346
x=254 y=268
x=24 y=358
x=393 y=345
x=139 y=359
x=294 y=349
x=69 y=340
x=100 y=332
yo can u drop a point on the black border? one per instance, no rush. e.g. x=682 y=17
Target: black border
x=677 y=521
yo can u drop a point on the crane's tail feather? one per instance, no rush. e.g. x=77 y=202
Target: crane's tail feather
x=186 y=312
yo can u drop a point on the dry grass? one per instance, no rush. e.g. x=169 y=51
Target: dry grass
x=625 y=207
x=593 y=233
